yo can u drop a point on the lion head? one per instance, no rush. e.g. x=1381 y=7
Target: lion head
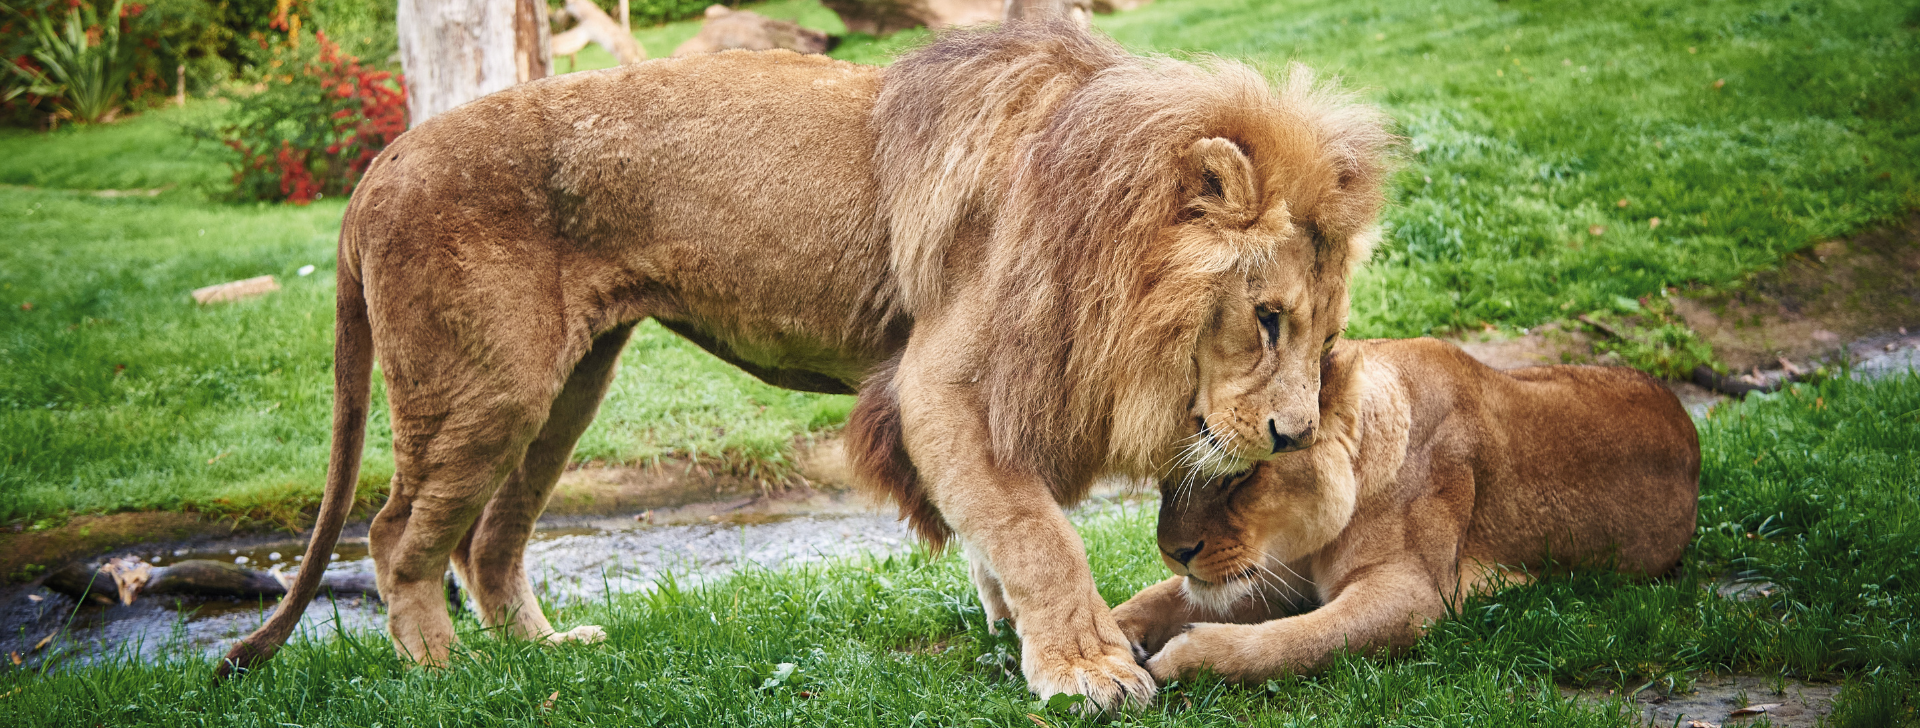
x=1166 y=245
x=1236 y=534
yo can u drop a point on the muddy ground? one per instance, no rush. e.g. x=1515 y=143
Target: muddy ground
x=1727 y=701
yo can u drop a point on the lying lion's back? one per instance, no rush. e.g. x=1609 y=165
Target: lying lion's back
x=1601 y=462
x=1590 y=462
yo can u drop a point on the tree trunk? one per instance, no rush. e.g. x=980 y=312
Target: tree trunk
x=455 y=51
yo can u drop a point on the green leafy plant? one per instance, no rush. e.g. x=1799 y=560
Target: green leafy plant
x=83 y=66
x=314 y=121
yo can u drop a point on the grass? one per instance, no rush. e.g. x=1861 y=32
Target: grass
x=1749 y=129
x=1528 y=123
x=1810 y=489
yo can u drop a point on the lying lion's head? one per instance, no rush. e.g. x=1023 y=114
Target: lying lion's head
x=1235 y=534
x=1164 y=246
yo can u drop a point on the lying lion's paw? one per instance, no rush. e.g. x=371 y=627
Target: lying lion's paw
x=1110 y=681
x=585 y=634
x=1197 y=646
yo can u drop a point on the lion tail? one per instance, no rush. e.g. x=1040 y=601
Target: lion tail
x=877 y=450
x=352 y=377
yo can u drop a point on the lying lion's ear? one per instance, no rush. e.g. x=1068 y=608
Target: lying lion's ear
x=1227 y=174
x=1340 y=378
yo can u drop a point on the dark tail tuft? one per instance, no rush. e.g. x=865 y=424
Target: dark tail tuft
x=878 y=453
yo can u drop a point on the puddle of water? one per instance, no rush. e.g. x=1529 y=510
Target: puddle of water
x=287 y=554
x=568 y=564
x=1714 y=700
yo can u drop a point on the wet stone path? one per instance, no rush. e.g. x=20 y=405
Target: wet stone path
x=568 y=563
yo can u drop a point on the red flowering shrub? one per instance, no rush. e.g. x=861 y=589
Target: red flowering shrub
x=314 y=121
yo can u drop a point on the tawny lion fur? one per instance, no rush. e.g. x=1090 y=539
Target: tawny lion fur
x=1435 y=477
x=1040 y=257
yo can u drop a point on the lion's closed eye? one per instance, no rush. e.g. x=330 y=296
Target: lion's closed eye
x=1269 y=324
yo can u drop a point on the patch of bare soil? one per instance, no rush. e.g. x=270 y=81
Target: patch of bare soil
x=680 y=491
x=1814 y=302
x=1728 y=701
x=1855 y=300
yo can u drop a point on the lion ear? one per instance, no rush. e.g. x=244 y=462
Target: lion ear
x=1340 y=381
x=1227 y=175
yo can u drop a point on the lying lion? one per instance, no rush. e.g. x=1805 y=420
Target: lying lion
x=1055 y=260
x=1434 y=477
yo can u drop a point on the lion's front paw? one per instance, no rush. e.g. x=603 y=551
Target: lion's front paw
x=585 y=634
x=1111 y=679
x=1201 y=645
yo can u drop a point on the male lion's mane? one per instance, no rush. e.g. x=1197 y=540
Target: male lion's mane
x=1050 y=163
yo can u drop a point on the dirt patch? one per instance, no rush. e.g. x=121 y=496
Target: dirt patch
x=1838 y=291
x=1714 y=700
x=1855 y=300
x=599 y=489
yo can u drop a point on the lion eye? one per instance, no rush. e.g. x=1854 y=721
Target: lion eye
x=1270 y=322
x=1328 y=345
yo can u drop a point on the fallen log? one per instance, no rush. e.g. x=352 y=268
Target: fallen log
x=195 y=578
x=83 y=583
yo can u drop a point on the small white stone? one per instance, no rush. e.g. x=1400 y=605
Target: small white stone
x=305 y=270
x=239 y=559
x=275 y=556
x=333 y=557
x=179 y=552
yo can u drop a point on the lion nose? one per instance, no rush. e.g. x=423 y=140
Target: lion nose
x=1186 y=555
x=1288 y=443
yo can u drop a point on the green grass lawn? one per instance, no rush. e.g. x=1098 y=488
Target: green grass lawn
x=1810 y=489
x=1528 y=122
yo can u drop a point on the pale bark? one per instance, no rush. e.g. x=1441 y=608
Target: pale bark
x=455 y=51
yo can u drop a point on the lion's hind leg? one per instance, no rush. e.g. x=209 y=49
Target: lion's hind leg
x=491 y=561
x=469 y=392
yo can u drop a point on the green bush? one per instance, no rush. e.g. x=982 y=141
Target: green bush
x=191 y=33
x=312 y=121
x=81 y=68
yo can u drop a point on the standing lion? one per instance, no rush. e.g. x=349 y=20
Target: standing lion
x=1039 y=258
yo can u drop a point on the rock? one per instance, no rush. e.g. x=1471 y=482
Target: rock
x=1081 y=11
x=727 y=29
x=129 y=579
x=880 y=17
